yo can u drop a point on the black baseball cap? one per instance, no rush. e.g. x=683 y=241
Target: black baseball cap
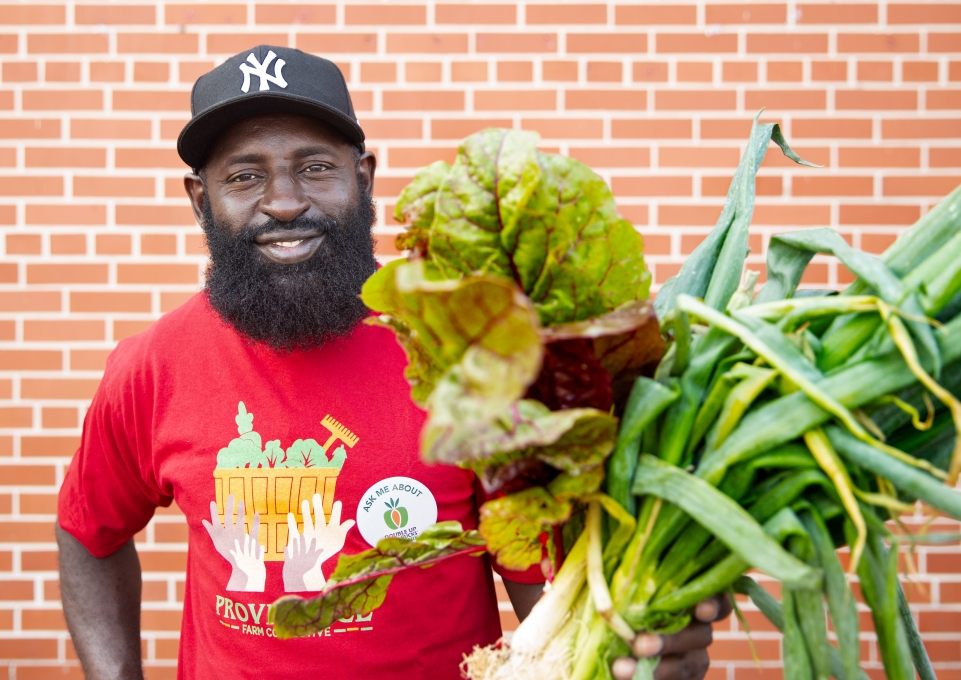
x=266 y=79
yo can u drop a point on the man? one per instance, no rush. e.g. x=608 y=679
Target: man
x=223 y=404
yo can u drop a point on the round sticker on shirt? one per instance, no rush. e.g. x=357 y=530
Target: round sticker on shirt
x=396 y=506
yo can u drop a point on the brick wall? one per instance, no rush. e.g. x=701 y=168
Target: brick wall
x=99 y=241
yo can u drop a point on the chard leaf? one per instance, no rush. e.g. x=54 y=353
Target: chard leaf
x=415 y=206
x=359 y=583
x=482 y=325
x=546 y=221
x=512 y=525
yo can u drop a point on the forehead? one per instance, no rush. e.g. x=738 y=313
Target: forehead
x=276 y=132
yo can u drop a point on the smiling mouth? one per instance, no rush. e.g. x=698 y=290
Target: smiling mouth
x=290 y=250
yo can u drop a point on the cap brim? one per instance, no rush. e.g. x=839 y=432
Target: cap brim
x=199 y=135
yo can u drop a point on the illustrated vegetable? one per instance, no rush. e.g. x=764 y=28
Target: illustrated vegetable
x=396 y=515
x=748 y=431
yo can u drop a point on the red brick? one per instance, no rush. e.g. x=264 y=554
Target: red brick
x=764 y=186
x=471 y=71
x=161 y=43
x=565 y=128
x=879 y=157
x=617 y=43
x=53 y=418
x=936 y=621
x=65 y=157
x=157 y=273
x=651 y=129
x=698 y=157
x=376 y=72
x=16 y=416
x=31 y=186
x=746 y=14
x=113 y=186
x=460 y=128
x=151 y=71
x=61 y=72
x=784 y=71
x=414 y=100
x=229 y=43
x=876 y=71
x=829 y=71
x=739 y=71
x=48 y=446
x=919 y=71
x=837 y=13
x=148 y=158
x=67 y=43
x=66 y=273
x=126 y=328
x=924 y=13
x=798 y=43
x=516 y=100
x=939 y=100
x=659 y=185
x=270 y=13
x=62 y=100
x=28 y=648
x=604 y=72
x=204 y=13
x=9 y=44
x=30 y=301
x=107 y=71
x=606 y=157
x=111 y=128
x=20 y=72
x=114 y=14
x=694 y=100
x=516 y=42
x=46 y=330
x=841 y=128
x=688 y=215
x=944 y=42
x=879 y=214
x=944 y=158
x=68 y=244
x=649 y=71
x=30 y=128
x=695 y=72
x=150 y=100
x=475 y=14
x=16 y=14
x=655 y=14
x=929 y=185
x=88 y=359
x=939 y=128
x=673 y=43
x=878 y=42
x=113 y=244
x=782 y=100
x=566 y=14
x=873 y=100
x=337 y=42
x=384 y=14
x=23 y=244
x=831 y=185
x=605 y=100
x=422 y=72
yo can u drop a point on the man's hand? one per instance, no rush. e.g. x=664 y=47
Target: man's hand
x=683 y=655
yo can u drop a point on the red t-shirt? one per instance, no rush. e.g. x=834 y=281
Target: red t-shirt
x=189 y=411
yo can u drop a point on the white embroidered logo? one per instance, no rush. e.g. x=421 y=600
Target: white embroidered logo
x=260 y=70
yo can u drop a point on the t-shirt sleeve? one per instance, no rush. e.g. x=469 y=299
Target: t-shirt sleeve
x=110 y=491
x=533 y=574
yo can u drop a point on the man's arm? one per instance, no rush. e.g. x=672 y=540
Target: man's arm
x=101 y=601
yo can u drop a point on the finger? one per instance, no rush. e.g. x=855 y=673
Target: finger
x=241 y=518
x=308 y=522
x=228 y=511
x=687 y=666
x=214 y=517
x=696 y=636
x=348 y=524
x=319 y=516
x=713 y=608
x=335 y=513
x=292 y=530
x=623 y=668
x=255 y=526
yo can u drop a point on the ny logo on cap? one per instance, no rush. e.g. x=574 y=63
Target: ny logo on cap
x=260 y=70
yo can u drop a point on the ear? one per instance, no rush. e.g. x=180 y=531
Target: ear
x=195 y=192
x=366 y=166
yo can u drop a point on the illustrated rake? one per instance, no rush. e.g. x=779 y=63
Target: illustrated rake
x=338 y=431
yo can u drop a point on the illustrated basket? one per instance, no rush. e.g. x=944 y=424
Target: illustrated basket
x=273 y=493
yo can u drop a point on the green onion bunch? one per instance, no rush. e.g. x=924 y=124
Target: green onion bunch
x=780 y=426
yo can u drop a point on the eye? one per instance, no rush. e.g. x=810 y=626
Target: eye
x=244 y=177
x=315 y=168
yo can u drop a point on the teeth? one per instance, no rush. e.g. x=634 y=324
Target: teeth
x=288 y=244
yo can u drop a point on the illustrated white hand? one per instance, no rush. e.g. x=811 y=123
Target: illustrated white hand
x=250 y=558
x=328 y=536
x=224 y=536
x=300 y=558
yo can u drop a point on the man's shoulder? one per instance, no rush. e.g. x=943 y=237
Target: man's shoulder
x=171 y=335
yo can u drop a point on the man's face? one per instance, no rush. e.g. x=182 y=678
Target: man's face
x=285 y=205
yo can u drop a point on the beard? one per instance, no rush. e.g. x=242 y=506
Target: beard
x=297 y=306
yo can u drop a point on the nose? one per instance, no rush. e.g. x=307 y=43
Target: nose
x=284 y=198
